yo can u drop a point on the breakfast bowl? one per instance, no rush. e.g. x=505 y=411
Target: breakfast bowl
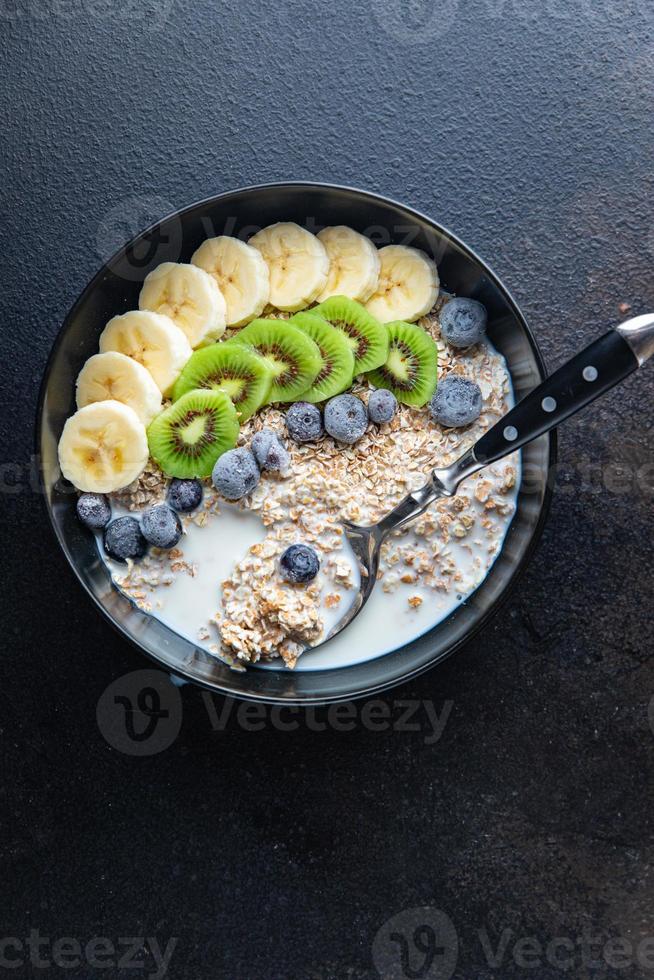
x=242 y=213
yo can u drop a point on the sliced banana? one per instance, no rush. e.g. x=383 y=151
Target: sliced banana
x=353 y=264
x=190 y=297
x=153 y=340
x=103 y=447
x=116 y=377
x=241 y=273
x=408 y=285
x=297 y=262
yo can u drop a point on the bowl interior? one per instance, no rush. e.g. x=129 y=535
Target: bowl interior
x=115 y=290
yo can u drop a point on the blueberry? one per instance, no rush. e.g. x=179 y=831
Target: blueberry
x=185 y=495
x=304 y=422
x=463 y=322
x=161 y=526
x=269 y=452
x=93 y=510
x=457 y=401
x=346 y=418
x=299 y=564
x=236 y=474
x=123 y=539
x=382 y=405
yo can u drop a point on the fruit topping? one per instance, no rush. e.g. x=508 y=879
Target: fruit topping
x=151 y=339
x=161 y=526
x=297 y=262
x=382 y=406
x=346 y=418
x=411 y=368
x=304 y=422
x=103 y=447
x=241 y=274
x=366 y=335
x=187 y=439
x=337 y=356
x=123 y=539
x=299 y=564
x=116 y=377
x=353 y=264
x=190 y=297
x=236 y=474
x=457 y=402
x=238 y=371
x=93 y=510
x=185 y=495
x=293 y=357
x=269 y=452
x=463 y=322
x=408 y=284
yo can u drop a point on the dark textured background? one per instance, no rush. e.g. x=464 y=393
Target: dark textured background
x=527 y=129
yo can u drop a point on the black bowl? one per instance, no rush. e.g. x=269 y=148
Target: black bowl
x=115 y=290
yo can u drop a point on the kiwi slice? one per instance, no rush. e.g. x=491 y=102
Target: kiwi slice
x=237 y=371
x=292 y=356
x=366 y=335
x=337 y=355
x=187 y=438
x=411 y=368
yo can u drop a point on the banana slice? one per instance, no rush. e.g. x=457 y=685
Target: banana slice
x=353 y=264
x=116 y=377
x=241 y=273
x=153 y=340
x=408 y=285
x=190 y=297
x=103 y=447
x=298 y=264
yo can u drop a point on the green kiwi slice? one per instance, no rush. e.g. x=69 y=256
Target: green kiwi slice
x=411 y=368
x=337 y=355
x=291 y=355
x=366 y=335
x=237 y=371
x=187 y=438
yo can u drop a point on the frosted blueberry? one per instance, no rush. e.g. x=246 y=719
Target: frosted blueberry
x=236 y=474
x=161 y=526
x=346 y=418
x=457 y=402
x=463 y=322
x=123 y=539
x=304 y=422
x=382 y=406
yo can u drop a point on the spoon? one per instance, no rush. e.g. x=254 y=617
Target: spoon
x=579 y=381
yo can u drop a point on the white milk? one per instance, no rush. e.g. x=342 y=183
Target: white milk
x=386 y=622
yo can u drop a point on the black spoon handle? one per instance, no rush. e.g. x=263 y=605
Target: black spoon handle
x=577 y=383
